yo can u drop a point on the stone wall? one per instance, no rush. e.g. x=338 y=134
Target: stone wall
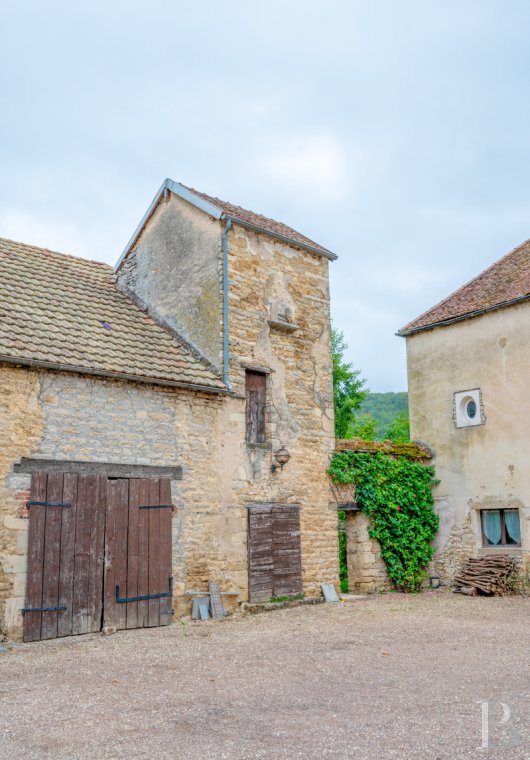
x=366 y=570
x=269 y=279
x=457 y=548
x=71 y=417
x=21 y=423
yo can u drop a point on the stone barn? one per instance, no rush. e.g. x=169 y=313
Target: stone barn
x=166 y=423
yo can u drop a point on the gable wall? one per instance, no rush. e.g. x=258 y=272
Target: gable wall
x=482 y=466
x=175 y=270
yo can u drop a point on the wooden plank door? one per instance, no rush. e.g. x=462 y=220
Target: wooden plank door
x=274 y=556
x=138 y=556
x=286 y=550
x=256 y=399
x=260 y=554
x=87 y=587
x=65 y=555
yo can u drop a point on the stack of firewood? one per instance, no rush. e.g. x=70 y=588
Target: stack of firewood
x=491 y=574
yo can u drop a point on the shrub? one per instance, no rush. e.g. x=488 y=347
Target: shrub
x=396 y=494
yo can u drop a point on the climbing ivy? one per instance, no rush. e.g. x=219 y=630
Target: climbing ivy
x=343 y=553
x=396 y=494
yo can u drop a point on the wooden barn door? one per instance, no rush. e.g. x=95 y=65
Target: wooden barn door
x=65 y=555
x=93 y=544
x=138 y=578
x=274 y=555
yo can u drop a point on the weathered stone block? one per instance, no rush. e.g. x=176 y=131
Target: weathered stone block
x=13 y=615
x=15 y=523
x=13 y=564
x=22 y=542
x=19 y=584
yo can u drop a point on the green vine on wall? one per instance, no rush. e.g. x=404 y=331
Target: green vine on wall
x=396 y=494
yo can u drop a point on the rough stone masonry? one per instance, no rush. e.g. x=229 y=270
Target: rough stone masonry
x=278 y=306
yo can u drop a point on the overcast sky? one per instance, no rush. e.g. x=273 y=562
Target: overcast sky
x=395 y=132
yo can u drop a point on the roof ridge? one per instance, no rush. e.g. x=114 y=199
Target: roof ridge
x=494 y=265
x=222 y=210
x=54 y=252
x=223 y=206
x=222 y=203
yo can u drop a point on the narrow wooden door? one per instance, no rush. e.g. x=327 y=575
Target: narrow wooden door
x=65 y=555
x=138 y=575
x=256 y=398
x=274 y=555
x=260 y=558
x=286 y=550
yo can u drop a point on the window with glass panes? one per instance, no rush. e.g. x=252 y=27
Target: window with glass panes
x=500 y=527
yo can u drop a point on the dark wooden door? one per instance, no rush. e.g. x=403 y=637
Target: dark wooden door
x=256 y=397
x=286 y=550
x=91 y=543
x=260 y=559
x=65 y=555
x=138 y=554
x=274 y=555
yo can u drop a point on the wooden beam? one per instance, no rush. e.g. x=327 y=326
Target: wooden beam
x=110 y=469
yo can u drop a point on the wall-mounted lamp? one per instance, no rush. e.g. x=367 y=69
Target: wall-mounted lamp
x=282 y=456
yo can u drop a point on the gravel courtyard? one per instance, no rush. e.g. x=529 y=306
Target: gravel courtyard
x=390 y=676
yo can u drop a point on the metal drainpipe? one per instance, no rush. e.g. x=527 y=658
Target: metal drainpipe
x=225 y=304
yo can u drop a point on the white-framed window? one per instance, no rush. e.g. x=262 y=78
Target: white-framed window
x=468 y=410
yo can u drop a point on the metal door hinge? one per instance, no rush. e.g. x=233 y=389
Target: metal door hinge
x=157 y=506
x=47 y=504
x=145 y=597
x=42 y=609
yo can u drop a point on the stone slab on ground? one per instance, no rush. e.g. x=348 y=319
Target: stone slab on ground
x=353 y=597
x=287 y=604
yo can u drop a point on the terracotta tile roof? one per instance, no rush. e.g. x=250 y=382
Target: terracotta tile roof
x=58 y=309
x=505 y=282
x=263 y=222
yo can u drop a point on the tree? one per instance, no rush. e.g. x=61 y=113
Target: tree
x=384 y=408
x=349 y=389
x=399 y=429
x=365 y=427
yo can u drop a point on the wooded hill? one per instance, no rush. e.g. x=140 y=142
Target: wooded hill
x=384 y=408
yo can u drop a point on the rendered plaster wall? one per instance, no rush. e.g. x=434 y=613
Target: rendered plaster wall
x=479 y=467
x=174 y=271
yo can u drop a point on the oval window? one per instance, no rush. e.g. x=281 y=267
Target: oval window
x=471 y=409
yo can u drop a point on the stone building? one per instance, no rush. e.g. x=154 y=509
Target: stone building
x=141 y=410
x=468 y=370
